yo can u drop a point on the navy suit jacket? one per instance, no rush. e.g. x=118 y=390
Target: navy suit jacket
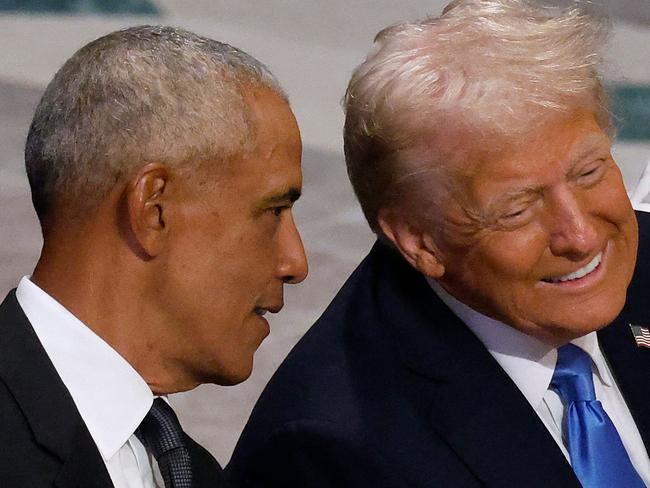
x=45 y=442
x=390 y=389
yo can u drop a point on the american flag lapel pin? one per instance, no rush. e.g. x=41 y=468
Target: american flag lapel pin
x=641 y=335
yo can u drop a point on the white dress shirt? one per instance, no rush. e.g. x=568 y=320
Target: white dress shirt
x=111 y=397
x=530 y=364
x=640 y=197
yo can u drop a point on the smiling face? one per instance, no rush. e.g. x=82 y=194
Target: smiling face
x=543 y=237
x=234 y=246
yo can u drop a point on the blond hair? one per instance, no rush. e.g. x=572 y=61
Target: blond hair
x=494 y=67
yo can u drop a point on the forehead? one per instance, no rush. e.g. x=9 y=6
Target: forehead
x=273 y=159
x=537 y=160
x=271 y=117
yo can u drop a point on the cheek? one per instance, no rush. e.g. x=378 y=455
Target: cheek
x=610 y=203
x=610 y=200
x=509 y=256
x=626 y=242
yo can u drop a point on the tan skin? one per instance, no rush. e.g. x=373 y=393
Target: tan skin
x=175 y=272
x=517 y=219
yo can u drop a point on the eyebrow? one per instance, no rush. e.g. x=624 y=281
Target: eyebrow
x=515 y=195
x=592 y=145
x=290 y=195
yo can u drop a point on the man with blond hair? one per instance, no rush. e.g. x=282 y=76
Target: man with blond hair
x=484 y=340
x=163 y=168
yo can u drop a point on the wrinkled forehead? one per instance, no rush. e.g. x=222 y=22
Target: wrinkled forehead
x=459 y=165
x=556 y=143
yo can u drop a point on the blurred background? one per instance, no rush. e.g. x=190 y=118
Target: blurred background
x=312 y=46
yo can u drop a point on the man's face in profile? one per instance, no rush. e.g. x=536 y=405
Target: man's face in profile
x=236 y=247
x=542 y=236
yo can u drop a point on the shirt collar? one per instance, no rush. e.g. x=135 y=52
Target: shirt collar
x=591 y=346
x=528 y=362
x=111 y=397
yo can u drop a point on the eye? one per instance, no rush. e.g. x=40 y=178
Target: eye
x=592 y=173
x=277 y=211
x=517 y=216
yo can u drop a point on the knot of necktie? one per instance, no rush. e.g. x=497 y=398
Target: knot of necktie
x=162 y=434
x=573 y=378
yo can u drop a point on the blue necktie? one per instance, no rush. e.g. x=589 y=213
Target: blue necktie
x=598 y=457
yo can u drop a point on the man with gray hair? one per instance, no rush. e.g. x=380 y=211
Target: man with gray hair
x=486 y=339
x=163 y=168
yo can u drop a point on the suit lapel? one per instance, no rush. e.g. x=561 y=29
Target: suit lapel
x=83 y=467
x=45 y=401
x=631 y=364
x=631 y=368
x=206 y=471
x=473 y=404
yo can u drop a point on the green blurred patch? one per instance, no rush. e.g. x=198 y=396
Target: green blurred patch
x=631 y=105
x=144 y=7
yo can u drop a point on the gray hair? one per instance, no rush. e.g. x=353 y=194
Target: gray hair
x=142 y=94
x=484 y=67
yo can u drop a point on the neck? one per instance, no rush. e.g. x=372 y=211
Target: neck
x=100 y=281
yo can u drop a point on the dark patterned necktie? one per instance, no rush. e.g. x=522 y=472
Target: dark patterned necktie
x=162 y=435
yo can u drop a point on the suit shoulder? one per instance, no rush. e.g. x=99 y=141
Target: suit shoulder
x=334 y=382
x=313 y=453
x=339 y=354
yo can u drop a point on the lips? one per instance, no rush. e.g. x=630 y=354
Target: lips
x=262 y=310
x=579 y=273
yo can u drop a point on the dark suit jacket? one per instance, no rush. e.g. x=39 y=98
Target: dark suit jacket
x=45 y=443
x=390 y=389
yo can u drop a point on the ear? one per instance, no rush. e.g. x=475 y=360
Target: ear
x=416 y=245
x=147 y=207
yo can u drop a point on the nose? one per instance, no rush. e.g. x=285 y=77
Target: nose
x=573 y=234
x=292 y=264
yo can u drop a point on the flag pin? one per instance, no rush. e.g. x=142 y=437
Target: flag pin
x=641 y=335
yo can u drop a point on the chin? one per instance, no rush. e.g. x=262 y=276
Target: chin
x=592 y=322
x=231 y=375
x=605 y=315
x=232 y=379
